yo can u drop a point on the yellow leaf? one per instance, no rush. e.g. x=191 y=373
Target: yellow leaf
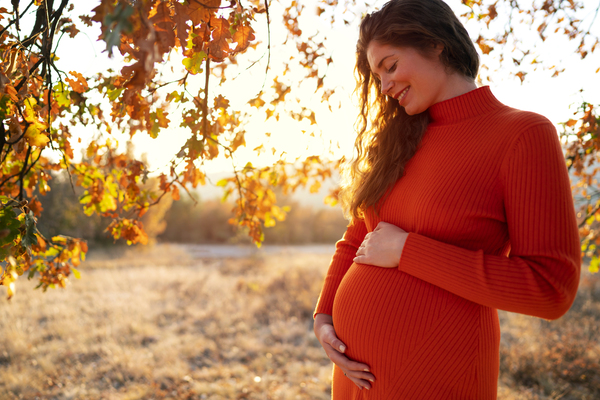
x=33 y=134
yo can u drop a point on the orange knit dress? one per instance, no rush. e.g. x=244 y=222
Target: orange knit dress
x=486 y=201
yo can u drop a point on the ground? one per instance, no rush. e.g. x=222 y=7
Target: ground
x=161 y=323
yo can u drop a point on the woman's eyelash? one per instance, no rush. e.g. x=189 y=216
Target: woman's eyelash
x=392 y=68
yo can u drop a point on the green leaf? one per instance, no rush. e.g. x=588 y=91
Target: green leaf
x=114 y=94
x=29 y=239
x=4 y=107
x=9 y=226
x=117 y=22
x=61 y=95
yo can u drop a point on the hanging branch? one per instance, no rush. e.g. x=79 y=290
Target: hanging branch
x=205 y=106
x=268 y=44
x=23 y=172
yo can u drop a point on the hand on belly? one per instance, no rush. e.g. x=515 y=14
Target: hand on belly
x=382 y=247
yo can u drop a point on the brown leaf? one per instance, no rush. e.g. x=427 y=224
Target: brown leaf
x=181 y=18
x=243 y=36
x=202 y=11
x=219 y=46
x=164 y=27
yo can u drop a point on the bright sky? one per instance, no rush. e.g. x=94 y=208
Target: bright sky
x=540 y=93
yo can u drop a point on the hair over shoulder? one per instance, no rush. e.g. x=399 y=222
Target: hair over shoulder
x=387 y=136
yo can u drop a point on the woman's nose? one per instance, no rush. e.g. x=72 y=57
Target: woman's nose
x=386 y=86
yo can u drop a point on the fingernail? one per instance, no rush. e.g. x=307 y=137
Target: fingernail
x=367 y=370
x=372 y=381
x=342 y=348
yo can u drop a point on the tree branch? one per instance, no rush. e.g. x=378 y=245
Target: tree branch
x=205 y=106
x=16 y=19
x=22 y=173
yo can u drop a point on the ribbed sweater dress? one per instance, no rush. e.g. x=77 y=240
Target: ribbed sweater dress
x=486 y=201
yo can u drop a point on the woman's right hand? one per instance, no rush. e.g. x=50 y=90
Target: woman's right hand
x=355 y=371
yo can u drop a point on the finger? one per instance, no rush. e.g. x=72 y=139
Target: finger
x=360 y=375
x=362 y=259
x=344 y=362
x=332 y=340
x=358 y=381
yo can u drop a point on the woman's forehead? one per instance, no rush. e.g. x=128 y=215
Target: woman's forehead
x=377 y=53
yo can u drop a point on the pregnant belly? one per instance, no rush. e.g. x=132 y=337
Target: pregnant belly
x=395 y=323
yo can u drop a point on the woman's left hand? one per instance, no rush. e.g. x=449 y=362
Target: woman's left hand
x=382 y=247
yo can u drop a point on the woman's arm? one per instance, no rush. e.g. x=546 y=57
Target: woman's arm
x=323 y=323
x=345 y=251
x=541 y=275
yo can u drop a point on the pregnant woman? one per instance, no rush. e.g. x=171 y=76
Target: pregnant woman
x=459 y=206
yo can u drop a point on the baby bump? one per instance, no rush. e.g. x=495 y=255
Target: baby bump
x=388 y=319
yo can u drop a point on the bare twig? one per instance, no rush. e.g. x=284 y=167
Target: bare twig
x=268 y=44
x=18 y=17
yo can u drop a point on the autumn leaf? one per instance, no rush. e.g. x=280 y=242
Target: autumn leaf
x=164 y=27
x=202 y=11
x=243 y=36
x=115 y=24
x=181 y=18
x=571 y=122
x=33 y=134
x=194 y=64
x=219 y=45
x=79 y=84
x=175 y=193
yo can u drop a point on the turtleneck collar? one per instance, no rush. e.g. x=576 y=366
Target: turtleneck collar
x=475 y=102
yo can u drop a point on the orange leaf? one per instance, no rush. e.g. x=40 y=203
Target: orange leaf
x=175 y=193
x=79 y=84
x=570 y=122
x=243 y=36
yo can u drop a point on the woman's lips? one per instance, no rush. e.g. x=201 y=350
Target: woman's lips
x=402 y=94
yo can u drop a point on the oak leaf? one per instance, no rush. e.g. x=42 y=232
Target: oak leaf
x=164 y=26
x=243 y=36
x=79 y=84
x=219 y=45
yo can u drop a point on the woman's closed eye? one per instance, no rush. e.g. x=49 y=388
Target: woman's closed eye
x=392 y=68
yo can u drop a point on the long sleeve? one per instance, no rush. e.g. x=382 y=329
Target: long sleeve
x=345 y=251
x=541 y=275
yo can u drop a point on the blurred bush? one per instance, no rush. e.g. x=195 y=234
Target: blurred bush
x=185 y=221
x=207 y=222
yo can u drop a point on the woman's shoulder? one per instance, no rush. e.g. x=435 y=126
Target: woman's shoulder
x=515 y=123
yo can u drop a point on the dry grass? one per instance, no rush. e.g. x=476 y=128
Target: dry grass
x=160 y=325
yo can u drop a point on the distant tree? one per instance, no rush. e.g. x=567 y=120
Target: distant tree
x=40 y=105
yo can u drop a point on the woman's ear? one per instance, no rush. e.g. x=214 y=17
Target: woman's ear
x=438 y=48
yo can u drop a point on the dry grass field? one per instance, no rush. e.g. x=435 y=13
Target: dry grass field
x=158 y=324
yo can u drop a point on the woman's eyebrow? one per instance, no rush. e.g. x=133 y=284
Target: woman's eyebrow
x=380 y=64
x=382 y=60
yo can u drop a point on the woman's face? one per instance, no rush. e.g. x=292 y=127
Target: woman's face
x=415 y=81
